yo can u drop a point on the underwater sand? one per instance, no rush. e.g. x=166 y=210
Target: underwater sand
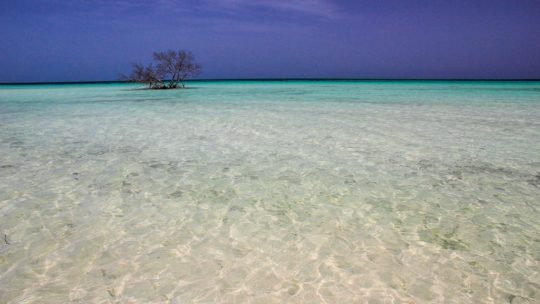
x=271 y=192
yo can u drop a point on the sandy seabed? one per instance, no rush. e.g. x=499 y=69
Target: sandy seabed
x=271 y=193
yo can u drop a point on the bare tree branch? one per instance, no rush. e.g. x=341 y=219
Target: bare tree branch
x=176 y=66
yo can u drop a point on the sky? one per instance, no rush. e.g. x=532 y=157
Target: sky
x=91 y=40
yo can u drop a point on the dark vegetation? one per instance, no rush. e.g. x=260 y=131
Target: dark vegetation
x=169 y=70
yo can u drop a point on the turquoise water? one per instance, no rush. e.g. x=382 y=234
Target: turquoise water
x=271 y=192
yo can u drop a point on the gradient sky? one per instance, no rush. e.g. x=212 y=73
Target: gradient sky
x=75 y=40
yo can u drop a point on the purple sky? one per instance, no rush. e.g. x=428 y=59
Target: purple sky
x=76 y=40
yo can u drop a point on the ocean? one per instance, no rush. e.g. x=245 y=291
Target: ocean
x=271 y=192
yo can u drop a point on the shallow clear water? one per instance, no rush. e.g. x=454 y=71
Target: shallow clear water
x=271 y=192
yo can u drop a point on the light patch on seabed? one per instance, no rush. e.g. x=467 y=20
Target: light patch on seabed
x=254 y=192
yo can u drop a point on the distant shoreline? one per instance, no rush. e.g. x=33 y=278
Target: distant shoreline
x=277 y=80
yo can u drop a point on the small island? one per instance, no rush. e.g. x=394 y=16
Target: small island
x=171 y=70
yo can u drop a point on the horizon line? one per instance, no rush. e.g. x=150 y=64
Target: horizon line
x=277 y=79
